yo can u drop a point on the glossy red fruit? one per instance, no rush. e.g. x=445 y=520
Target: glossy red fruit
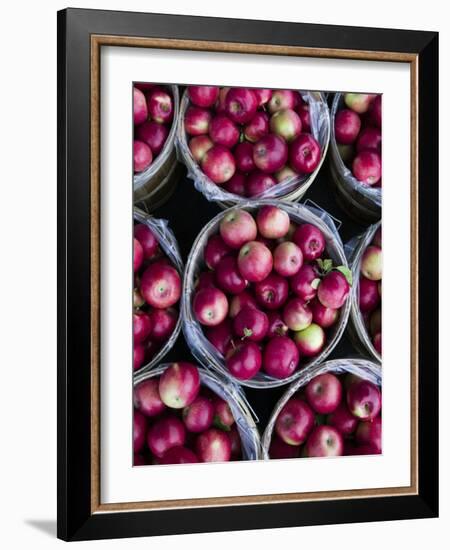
x=347 y=125
x=272 y=292
x=343 y=420
x=244 y=362
x=179 y=385
x=364 y=399
x=369 y=139
x=196 y=121
x=262 y=95
x=218 y=164
x=280 y=357
x=237 y=228
x=161 y=285
x=273 y=222
x=311 y=241
x=199 y=415
x=324 y=441
x=295 y=422
x=153 y=134
x=147 y=398
x=255 y=261
x=223 y=416
x=282 y=99
x=147 y=239
x=251 y=324
x=159 y=105
x=270 y=153
x=286 y=124
x=324 y=393
x=258 y=182
x=220 y=336
x=240 y=104
x=277 y=327
x=215 y=250
x=213 y=445
x=366 y=167
x=325 y=317
x=141 y=326
x=139 y=431
x=257 y=127
x=304 y=154
x=302 y=283
x=310 y=341
x=287 y=259
x=243 y=154
x=369 y=297
x=304 y=114
x=163 y=323
x=236 y=185
x=178 y=455
x=228 y=276
x=333 y=290
x=164 y=434
x=142 y=156
x=369 y=433
x=297 y=315
x=203 y=96
x=138 y=255
x=199 y=145
x=244 y=299
x=279 y=449
x=206 y=279
x=138 y=356
x=375 y=111
x=210 y=306
x=140 y=112
x=223 y=131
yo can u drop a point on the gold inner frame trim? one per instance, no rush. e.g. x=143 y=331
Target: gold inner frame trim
x=97 y=41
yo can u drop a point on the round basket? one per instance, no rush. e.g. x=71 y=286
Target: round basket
x=289 y=190
x=153 y=186
x=357 y=328
x=250 y=439
x=360 y=367
x=361 y=202
x=169 y=245
x=203 y=350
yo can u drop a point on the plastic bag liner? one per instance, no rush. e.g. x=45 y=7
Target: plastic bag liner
x=234 y=396
x=360 y=367
x=354 y=187
x=291 y=189
x=200 y=346
x=354 y=250
x=141 y=178
x=169 y=245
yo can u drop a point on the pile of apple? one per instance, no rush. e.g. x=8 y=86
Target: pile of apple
x=357 y=128
x=332 y=415
x=246 y=140
x=178 y=421
x=371 y=272
x=152 y=115
x=268 y=296
x=157 y=290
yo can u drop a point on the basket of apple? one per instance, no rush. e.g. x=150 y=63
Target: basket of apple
x=158 y=269
x=186 y=414
x=332 y=410
x=155 y=117
x=367 y=264
x=355 y=154
x=265 y=292
x=240 y=143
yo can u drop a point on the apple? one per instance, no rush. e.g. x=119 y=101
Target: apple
x=270 y=153
x=228 y=276
x=294 y=422
x=196 y=121
x=139 y=431
x=179 y=385
x=372 y=263
x=303 y=112
x=366 y=167
x=311 y=241
x=141 y=326
x=147 y=239
x=324 y=393
x=255 y=261
x=199 y=146
x=282 y=99
x=359 y=103
x=375 y=111
x=138 y=255
x=243 y=155
x=369 y=139
x=280 y=357
x=364 y=399
x=237 y=228
x=213 y=445
x=285 y=173
x=199 y=415
x=206 y=279
x=244 y=299
x=218 y=164
x=153 y=134
x=277 y=327
x=369 y=433
x=262 y=95
x=333 y=290
x=304 y=154
x=368 y=295
x=310 y=340
x=251 y=324
x=272 y=292
x=325 y=317
x=223 y=131
x=165 y=433
x=343 y=420
x=244 y=361
x=203 y=96
x=163 y=323
x=258 y=182
x=279 y=449
x=324 y=441
x=161 y=285
x=215 y=250
x=297 y=315
x=287 y=259
x=147 y=399
x=178 y=455
x=160 y=106
x=286 y=124
x=220 y=335
x=235 y=439
x=140 y=112
x=236 y=185
x=272 y=222
x=257 y=128
x=142 y=156
x=220 y=103
x=347 y=125
x=302 y=283
x=240 y=105
x=138 y=356
x=210 y=306
x=223 y=417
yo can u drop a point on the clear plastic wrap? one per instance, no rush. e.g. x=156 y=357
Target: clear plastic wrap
x=200 y=346
x=169 y=245
x=360 y=367
x=364 y=199
x=354 y=250
x=234 y=396
x=291 y=189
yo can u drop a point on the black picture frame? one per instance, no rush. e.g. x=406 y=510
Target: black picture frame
x=75 y=518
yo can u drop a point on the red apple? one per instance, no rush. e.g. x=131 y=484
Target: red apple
x=210 y=306
x=364 y=399
x=369 y=139
x=303 y=112
x=218 y=164
x=324 y=393
x=285 y=173
x=369 y=433
x=142 y=326
x=196 y=121
x=372 y=263
x=244 y=299
x=243 y=155
x=343 y=420
x=199 y=145
x=279 y=449
x=138 y=356
x=236 y=185
x=346 y=126
x=213 y=445
x=368 y=295
x=240 y=104
x=273 y=222
x=375 y=111
x=262 y=95
x=228 y=276
x=203 y=96
x=311 y=241
x=257 y=183
x=287 y=259
x=237 y=228
x=138 y=255
x=147 y=239
x=304 y=154
x=257 y=127
x=215 y=250
x=163 y=323
x=223 y=417
x=147 y=398
x=161 y=285
x=178 y=455
x=333 y=290
x=302 y=283
x=199 y=415
x=142 y=156
x=244 y=361
x=325 y=317
x=165 y=433
x=280 y=357
x=160 y=106
x=223 y=131
x=282 y=99
x=359 y=103
x=251 y=324
x=140 y=112
x=297 y=315
x=286 y=124
x=310 y=341
x=294 y=422
x=179 y=385
x=270 y=153
x=139 y=431
x=153 y=134
x=206 y=279
x=366 y=167
x=272 y=292
x=277 y=327
x=255 y=261
x=220 y=335
x=324 y=441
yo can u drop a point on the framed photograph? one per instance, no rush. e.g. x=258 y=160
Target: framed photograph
x=247 y=252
